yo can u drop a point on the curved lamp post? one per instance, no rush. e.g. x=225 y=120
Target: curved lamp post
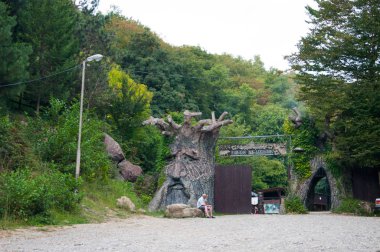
x=96 y=57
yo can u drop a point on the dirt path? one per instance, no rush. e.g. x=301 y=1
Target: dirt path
x=313 y=232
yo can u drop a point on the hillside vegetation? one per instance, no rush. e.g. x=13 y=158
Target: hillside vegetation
x=44 y=42
x=140 y=75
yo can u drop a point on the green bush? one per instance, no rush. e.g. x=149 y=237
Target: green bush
x=13 y=149
x=352 y=206
x=148 y=148
x=54 y=138
x=24 y=194
x=145 y=187
x=293 y=204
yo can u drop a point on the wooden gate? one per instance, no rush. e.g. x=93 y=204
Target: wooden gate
x=366 y=184
x=232 y=189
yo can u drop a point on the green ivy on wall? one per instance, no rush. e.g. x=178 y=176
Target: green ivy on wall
x=304 y=138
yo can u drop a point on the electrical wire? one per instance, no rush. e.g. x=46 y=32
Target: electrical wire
x=71 y=68
x=42 y=78
x=176 y=75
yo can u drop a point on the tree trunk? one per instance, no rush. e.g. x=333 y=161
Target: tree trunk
x=191 y=171
x=38 y=103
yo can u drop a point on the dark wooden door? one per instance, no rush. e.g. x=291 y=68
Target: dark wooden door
x=233 y=187
x=366 y=184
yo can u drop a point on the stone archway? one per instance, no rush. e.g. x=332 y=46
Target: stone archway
x=305 y=190
x=318 y=201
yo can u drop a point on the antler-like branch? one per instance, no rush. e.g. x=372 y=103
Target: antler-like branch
x=216 y=125
x=296 y=119
x=188 y=115
x=167 y=128
x=212 y=124
x=170 y=128
x=159 y=123
x=173 y=124
x=221 y=117
x=202 y=123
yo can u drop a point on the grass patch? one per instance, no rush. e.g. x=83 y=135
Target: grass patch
x=55 y=217
x=354 y=207
x=11 y=223
x=98 y=204
x=158 y=214
x=294 y=205
x=99 y=201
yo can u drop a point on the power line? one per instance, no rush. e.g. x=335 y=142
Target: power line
x=42 y=78
x=165 y=74
x=71 y=68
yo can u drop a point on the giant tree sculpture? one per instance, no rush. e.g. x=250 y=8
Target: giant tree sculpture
x=191 y=171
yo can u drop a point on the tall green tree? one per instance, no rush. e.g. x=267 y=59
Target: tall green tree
x=49 y=27
x=14 y=57
x=129 y=102
x=91 y=31
x=87 y=6
x=14 y=6
x=339 y=67
x=269 y=120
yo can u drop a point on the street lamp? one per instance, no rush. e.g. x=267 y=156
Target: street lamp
x=96 y=57
x=298 y=150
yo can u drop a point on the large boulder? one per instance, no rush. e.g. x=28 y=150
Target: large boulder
x=113 y=149
x=125 y=203
x=182 y=211
x=129 y=171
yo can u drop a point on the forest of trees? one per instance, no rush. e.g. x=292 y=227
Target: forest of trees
x=43 y=42
x=43 y=45
x=339 y=71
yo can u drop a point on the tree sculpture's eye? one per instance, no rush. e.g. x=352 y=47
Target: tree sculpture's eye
x=188 y=158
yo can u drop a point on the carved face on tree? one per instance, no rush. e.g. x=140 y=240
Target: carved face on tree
x=191 y=171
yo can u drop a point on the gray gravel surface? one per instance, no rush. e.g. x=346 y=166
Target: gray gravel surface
x=312 y=232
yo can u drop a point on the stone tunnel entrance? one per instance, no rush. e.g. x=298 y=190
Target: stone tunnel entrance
x=319 y=192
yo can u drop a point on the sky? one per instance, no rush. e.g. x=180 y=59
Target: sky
x=269 y=28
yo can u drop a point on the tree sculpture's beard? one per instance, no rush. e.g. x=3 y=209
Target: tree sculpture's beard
x=179 y=184
x=176 y=192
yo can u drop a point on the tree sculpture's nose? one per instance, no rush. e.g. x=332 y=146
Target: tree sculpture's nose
x=176 y=174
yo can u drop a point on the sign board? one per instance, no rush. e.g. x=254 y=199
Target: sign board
x=252 y=149
x=272 y=208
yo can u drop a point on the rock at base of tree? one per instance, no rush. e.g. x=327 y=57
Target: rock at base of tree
x=125 y=203
x=182 y=211
x=367 y=207
x=113 y=149
x=129 y=171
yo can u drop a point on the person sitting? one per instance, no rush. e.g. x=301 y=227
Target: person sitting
x=202 y=205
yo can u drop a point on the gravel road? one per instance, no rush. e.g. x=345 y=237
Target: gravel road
x=312 y=232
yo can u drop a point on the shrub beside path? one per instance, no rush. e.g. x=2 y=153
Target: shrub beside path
x=312 y=232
